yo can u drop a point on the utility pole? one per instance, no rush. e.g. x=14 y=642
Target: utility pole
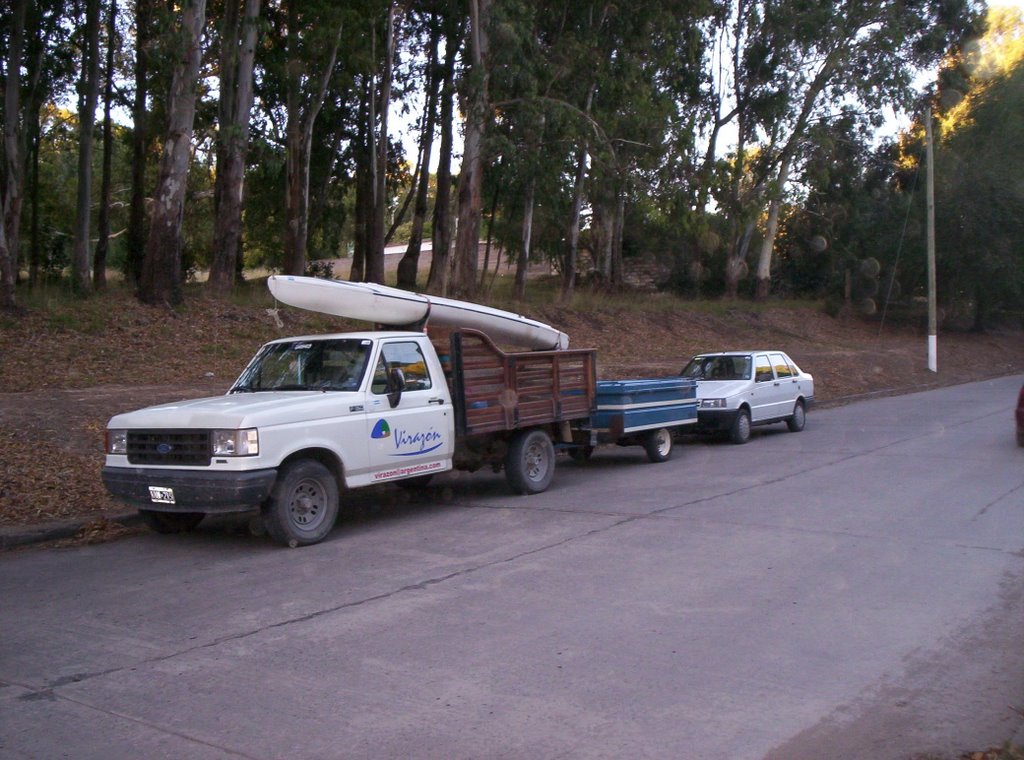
x=933 y=332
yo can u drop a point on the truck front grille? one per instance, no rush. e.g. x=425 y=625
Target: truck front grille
x=169 y=447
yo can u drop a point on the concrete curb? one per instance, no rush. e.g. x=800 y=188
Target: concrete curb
x=12 y=536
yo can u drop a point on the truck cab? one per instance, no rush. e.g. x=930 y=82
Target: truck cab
x=309 y=414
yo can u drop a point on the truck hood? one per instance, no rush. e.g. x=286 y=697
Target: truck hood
x=242 y=410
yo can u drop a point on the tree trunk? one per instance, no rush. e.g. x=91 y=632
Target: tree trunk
x=135 y=242
x=11 y=187
x=161 y=270
x=301 y=121
x=437 y=281
x=88 y=95
x=236 y=92
x=616 y=266
x=572 y=254
x=375 y=265
x=99 y=272
x=408 y=267
x=736 y=263
x=764 y=261
x=523 y=259
x=467 y=235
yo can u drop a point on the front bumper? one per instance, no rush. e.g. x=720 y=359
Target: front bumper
x=194 y=491
x=716 y=420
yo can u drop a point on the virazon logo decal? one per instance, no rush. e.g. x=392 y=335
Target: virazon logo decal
x=421 y=442
x=381 y=430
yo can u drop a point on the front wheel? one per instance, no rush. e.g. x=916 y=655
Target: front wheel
x=530 y=462
x=799 y=418
x=303 y=505
x=740 y=432
x=171 y=522
x=658 y=445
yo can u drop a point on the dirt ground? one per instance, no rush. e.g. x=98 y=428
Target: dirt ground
x=66 y=368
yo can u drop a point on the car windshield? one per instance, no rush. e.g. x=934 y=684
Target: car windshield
x=306 y=365
x=718 y=368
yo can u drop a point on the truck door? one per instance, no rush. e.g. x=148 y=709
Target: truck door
x=416 y=435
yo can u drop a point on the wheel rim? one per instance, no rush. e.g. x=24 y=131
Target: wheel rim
x=308 y=505
x=743 y=426
x=536 y=462
x=663 y=442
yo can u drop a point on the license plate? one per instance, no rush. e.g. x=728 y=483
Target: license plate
x=161 y=495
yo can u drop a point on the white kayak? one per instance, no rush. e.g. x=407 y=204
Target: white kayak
x=384 y=305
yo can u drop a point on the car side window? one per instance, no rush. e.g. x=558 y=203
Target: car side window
x=782 y=368
x=763 y=372
x=407 y=357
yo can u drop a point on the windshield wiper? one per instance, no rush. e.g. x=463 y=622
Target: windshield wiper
x=291 y=387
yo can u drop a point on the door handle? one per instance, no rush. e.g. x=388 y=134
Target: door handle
x=438 y=401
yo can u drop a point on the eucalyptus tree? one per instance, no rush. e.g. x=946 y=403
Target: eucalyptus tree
x=979 y=195
x=238 y=38
x=99 y=275
x=797 y=62
x=35 y=66
x=160 y=283
x=441 y=217
x=299 y=66
x=88 y=97
x=477 y=107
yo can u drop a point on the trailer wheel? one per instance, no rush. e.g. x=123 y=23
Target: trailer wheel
x=530 y=462
x=658 y=445
x=171 y=522
x=303 y=505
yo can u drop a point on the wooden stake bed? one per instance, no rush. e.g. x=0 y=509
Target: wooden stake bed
x=494 y=391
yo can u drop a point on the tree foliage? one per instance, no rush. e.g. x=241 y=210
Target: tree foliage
x=722 y=138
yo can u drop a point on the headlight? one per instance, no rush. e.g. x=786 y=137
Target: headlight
x=116 y=441
x=235 y=443
x=712 y=403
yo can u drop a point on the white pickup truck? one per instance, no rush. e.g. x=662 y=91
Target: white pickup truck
x=311 y=416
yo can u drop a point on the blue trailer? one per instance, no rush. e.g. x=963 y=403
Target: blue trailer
x=639 y=413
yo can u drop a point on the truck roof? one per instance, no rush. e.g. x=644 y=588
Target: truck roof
x=362 y=335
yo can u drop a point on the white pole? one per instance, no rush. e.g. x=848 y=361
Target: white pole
x=933 y=331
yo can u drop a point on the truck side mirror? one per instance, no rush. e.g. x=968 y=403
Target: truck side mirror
x=396 y=384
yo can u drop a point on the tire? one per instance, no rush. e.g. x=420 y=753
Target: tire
x=658 y=445
x=530 y=462
x=171 y=522
x=1020 y=438
x=740 y=431
x=303 y=504
x=796 y=422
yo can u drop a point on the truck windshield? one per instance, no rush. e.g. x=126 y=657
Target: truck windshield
x=718 y=368
x=306 y=365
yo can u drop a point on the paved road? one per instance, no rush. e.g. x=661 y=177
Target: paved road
x=853 y=591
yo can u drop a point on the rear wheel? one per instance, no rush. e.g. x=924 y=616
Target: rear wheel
x=658 y=445
x=303 y=505
x=530 y=462
x=740 y=432
x=171 y=522
x=799 y=418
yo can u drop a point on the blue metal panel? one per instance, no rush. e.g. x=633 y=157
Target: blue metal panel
x=629 y=406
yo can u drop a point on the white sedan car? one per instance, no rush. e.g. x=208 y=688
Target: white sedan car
x=738 y=389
